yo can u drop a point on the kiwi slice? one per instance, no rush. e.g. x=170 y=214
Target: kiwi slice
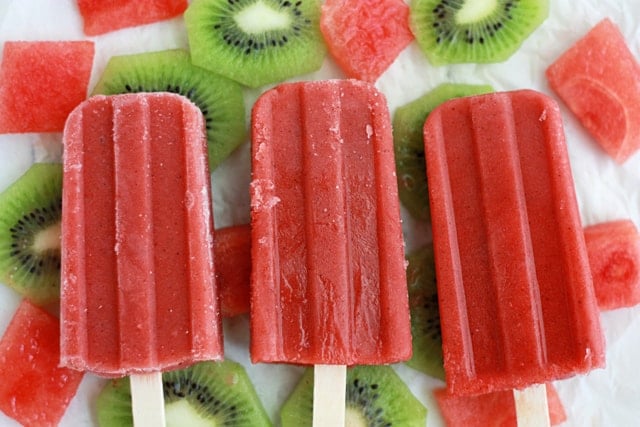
x=205 y=394
x=220 y=100
x=425 y=317
x=457 y=31
x=30 y=223
x=256 y=41
x=375 y=397
x=408 y=121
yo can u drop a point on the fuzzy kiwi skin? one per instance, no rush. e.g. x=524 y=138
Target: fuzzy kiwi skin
x=489 y=39
x=218 y=44
x=375 y=393
x=425 y=316
x=218 y=391
x=221 y=100
x=30 y=206
x=408 y=143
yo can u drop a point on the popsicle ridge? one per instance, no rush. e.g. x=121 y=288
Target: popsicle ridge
x=389 y=231
x=145 y=225
x=134 y=232
x=320 y=260
x=198 y=203
x=510 y=256
x=507 y=233
x=327 y=213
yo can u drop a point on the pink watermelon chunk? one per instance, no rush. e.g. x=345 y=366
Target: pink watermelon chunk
x=614 y=256
x=365 y=36
x=103 y=16
x=41 y=82
x=232 y=254
x=491 y=409
x=599 y=80
x=34 y=390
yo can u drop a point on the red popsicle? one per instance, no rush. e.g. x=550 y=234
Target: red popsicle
x=138 y=290
x=328 y=276
x=516 y=299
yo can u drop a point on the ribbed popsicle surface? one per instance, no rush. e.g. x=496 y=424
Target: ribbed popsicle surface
x=328 y=279
x=516 y=299
x=138 y=288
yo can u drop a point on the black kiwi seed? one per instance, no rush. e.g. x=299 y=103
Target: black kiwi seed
x=30 y=215
x=375 y=397
x=408 y=144
x=224 y=38
x=232 y=35
x=218 y=393
x=443 y=26
x=365 y=396
x=425 y=316
x=220 y=100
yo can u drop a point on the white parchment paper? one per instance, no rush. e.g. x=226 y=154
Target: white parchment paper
x=606 y=190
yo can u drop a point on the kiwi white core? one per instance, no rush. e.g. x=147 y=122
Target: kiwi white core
x=181 y=413
x=48 y=239
x=258 y=18
x=354 y=418
x=475 y=10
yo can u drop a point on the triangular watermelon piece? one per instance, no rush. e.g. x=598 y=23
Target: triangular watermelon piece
x=365 y=36
x=34 y=390
x=614 y=257
x=41 y=82
x=103 y=16
x=492 y=409
x=599 y=80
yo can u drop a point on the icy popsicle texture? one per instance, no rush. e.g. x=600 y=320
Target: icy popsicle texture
x=138 y=290
x=516 y=300
x=328 y=276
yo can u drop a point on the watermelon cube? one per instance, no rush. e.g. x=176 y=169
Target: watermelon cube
x=599 y=80
x=103 y=16
x=492 y=409
x=365 y=36
x=34 y=390
x=41 y=82
x=614 y=256
x=232 y=254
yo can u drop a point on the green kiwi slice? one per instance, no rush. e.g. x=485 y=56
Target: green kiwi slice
x=220 y=100
x=408 y=122
x=205 y=394
x=375 y=396
x=459 y=31
x=425 y=317
x=256 y=42
x=30 y=225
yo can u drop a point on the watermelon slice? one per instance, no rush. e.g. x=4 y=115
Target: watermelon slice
x=232 y=254
x=34 y=390
x=365 y=36
x=102 y=16
x=492 y=409
x=614 y=256
x=41 y=82
x=599 y=79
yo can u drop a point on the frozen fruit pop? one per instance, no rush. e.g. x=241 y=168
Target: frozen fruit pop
x=328 y=283
x=328 y=275
x=516 y=299
x=138 y=291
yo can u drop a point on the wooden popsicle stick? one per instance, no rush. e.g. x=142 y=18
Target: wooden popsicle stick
x=532 y=409
x=329 y=395
x=147 y=400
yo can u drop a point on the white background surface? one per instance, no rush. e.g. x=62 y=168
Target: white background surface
x=606 y=191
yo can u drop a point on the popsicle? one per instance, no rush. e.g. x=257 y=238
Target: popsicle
x=516 y=299
x=328 y=285
x=138 y=293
